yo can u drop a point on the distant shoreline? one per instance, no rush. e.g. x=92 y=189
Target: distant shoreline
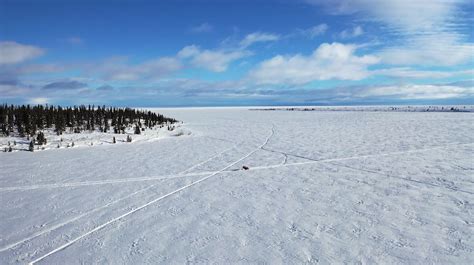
x=431 y=108
x=471 y=106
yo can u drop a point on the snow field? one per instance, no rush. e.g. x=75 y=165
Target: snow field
x=332 y=187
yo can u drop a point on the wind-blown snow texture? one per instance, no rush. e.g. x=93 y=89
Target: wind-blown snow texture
x=327 y=187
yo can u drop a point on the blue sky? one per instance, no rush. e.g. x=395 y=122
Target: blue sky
x=212 y=53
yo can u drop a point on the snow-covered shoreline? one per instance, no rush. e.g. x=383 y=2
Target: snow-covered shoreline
x=401 y=108
x=70 y=139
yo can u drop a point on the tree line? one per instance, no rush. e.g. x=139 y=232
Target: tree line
x=26 y=120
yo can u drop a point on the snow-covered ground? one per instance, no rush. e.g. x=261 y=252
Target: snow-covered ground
x=69 y=139
x=322 y=187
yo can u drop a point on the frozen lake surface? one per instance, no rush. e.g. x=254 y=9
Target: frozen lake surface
x=322 y=187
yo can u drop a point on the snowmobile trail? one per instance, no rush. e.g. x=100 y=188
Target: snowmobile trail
x=314 y=161
x=288 y=154
x=402 y=178
x=99 y=182
x=153 y=201
x=116 y=181
x=184 y=174
x=59 y=225
x=367 y=156
x=274 y=208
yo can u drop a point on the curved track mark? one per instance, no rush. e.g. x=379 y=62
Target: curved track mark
x=150 y=203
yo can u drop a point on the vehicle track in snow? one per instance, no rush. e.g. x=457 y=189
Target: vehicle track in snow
x=333 y=162
x=181 y=175
x=401 y=178
x=212 y=173
x=99 y=182
x=59 y=225
x=286 y=154
x=325 y=160
x=151 y=202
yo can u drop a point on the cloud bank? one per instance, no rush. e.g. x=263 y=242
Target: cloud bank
x=12 y=52
x=328 y=61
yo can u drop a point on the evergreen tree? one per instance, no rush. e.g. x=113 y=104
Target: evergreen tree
x=137 y=129
x=26 y=120
x=31 y=147
x=41 y=139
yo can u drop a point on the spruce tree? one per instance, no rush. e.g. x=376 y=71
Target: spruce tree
x=26 y=120
x=41 y=139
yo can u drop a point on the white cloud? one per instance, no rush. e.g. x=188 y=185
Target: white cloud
x=117 y=69
x=39 y=100
x=316 y=30
x=328 y=61
x=351 y=33
x=258 y=37
x=13 y=90
x=415 y=17
x=411 y=92
x=213 y=60
x=402 y=15
x=442 y=49
x=406 y=72
x=203 y=28
x=14 y=73
x=12 y=52
x=218 y=60
x=189 y=51
x=428 y=31
x=38 y=68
